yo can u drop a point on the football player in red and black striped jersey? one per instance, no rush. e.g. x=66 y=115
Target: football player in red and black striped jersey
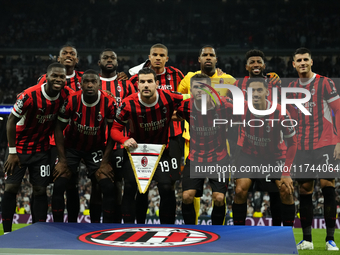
x=318 y=144
x=207 y=146
x=85 y=116
x=68 y=56
x=255 y=66
x=169 y=78
x=149 y=114
x=28 y=129
x=120 y=89
x=262 y=144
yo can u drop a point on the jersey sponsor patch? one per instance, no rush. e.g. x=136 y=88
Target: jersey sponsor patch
x=149 y=237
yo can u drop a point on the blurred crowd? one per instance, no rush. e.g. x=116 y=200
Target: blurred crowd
x=121 y=24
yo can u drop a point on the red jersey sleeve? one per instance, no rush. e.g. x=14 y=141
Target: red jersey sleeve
x=23 y=103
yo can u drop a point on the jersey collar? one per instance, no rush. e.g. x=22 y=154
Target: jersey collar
x=149 y=105
x=47 y=96
x=109 y=79
x=307 y=82
x=93 y=104
x=71 y=76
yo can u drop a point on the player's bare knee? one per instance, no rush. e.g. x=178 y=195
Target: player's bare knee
x=218 y=198
x=12 y=188
x=39 y=190
x=188 y=197
x=306 y=188
x=327 y=183
x=286 y=198
x=240 y=193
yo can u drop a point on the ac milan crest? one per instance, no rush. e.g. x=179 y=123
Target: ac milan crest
x=152 y=237
x=144 y=161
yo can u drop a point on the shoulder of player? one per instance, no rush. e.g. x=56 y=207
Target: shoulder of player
x=190 y=74
x=133 y=78
x=79 y=73
x=38 y=88
x=171 y=69
x=226 y=100
x=42 y=78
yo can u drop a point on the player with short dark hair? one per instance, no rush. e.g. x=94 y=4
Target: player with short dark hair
x=262 y=145
x=68 y=56
x=255 y=65
x=205 y=148
x=28 y=129
x=318 y=144
x=150 y=107
x=87 y=112
x=169 y=78
x=110 y=83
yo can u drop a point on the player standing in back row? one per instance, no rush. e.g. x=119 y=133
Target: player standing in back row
x=169 y=78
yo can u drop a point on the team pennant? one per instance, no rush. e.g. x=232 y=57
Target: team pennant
x=144 y=161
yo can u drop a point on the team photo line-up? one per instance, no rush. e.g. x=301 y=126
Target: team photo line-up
x=226 y=129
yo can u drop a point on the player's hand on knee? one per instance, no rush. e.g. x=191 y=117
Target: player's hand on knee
x=337 y=151
x=61 y=169
x=288 y=182
x=107 y=170
x=12 y=161
x=131 y=143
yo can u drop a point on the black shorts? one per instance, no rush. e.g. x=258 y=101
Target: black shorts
x=92 y=160
x=163 y=173
x=38 y=165
x=117 y=159
x=318 y=163
x=252 y=167
x=176 y=152
x=217 y=185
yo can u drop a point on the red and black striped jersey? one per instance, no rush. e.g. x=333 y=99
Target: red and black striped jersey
x=316 y=130
x=120 y=90
x=207 y=141
x=242 y=85
x=87 y=122
x=38 y=113
x=263 y=136
x=73 y=81
x=149 y=123
x=168 y=80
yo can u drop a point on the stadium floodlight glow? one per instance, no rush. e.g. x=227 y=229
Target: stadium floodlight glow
x=238 y=100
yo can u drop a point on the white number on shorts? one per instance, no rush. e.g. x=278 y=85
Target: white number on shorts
x=174 y=163
x=119 y=159
x=327 y=158
x=45 y=170
x=97 y=156
x=164 y=166
x=221 y=177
